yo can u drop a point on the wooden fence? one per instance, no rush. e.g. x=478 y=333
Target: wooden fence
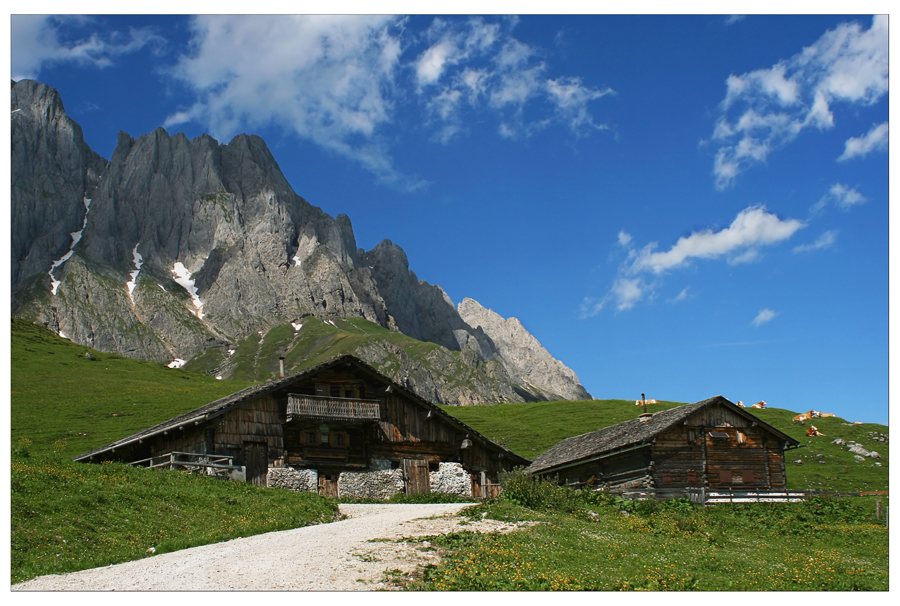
x=707 y=496
x=213 y=465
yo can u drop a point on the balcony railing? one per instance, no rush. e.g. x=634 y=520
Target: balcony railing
x=332 y=408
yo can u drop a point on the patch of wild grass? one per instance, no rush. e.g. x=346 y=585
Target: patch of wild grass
x=68 y=516
x=71 y=399
x=592 y=541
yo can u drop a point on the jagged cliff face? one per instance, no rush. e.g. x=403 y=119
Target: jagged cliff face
x=175 y=246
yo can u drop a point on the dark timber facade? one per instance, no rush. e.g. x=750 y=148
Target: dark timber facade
x=711 y=444
x=337 y=428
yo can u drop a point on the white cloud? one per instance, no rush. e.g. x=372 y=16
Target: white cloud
x=343 y=81
x=39 y=40
x=764 y=316
x=826 y=240
x=773 y=105
x=753 y=227
x=682 y=296
x=590 y=307
x=874 y=140
x=841 y=196
x=627 y=292
x=642 y=272
x=323 y=77
x=732 y=19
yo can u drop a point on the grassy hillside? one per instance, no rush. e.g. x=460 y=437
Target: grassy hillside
x=69 y=399
x=256 y=356
x=68 y=516
x=531 y=428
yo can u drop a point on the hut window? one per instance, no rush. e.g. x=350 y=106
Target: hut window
x=666 y=477
x=692 y=476
x=725 y=476
x=718 y=434
x=749 y=478
x=335 y=391
x=310 y=437
x=341 y=439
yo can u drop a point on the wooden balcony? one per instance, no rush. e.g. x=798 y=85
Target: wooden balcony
x=318 y=407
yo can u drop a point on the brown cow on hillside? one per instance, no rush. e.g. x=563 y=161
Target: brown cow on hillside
x=814 y=431
x=812 y=414
x=760 y=404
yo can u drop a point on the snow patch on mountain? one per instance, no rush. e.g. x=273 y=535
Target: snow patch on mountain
x=183 y=278
x=138 y=261
x=76 y=238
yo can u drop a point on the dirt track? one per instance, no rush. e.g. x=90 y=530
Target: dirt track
x=329 y=557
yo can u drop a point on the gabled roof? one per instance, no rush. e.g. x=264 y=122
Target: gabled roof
x=223 y=405
x=634 y=432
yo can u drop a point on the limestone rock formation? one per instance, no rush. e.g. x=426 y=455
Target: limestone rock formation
x=524 y=357
x=176 y=246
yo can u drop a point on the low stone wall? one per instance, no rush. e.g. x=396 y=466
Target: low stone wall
x=293 y=479
x=378 y=482
x=451 y=478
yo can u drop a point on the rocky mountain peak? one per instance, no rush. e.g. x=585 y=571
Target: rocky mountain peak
x=179 y=246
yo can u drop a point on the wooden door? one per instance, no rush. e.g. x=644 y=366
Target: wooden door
x=256 y=460
x=328 y=484
x=417 y=479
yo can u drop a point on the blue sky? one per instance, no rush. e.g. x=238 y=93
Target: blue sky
x=681 y=206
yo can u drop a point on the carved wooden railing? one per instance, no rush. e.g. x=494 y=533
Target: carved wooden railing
x=332 y=408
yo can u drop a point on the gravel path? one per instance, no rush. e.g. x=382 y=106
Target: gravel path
x=340 y=556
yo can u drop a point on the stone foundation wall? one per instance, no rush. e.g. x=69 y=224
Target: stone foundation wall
x=379 y=482
x=451 y=478
x=293 y=479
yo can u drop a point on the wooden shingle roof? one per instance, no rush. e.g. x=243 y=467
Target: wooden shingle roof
x=223 y=405
x=630 y=433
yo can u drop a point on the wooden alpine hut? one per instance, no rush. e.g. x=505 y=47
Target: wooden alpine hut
x=338 y=428
x=711 y=445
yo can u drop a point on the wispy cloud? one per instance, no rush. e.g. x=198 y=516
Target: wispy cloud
x=39 y=40
x=642 y=272
x=323 y=77
x=478 y=65
x=682 y=296
x=766 y=109
x=839 y=195
x=753 y=227
x=763 y=317
x=874 y=140
x=732 y=19
x=826 y=240
x=343 y=81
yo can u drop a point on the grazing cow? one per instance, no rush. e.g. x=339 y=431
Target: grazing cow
x=827 y=414
x=760 y=404
x=642 y=402
x=812 y=414
x=740 y=404
x=812 y=430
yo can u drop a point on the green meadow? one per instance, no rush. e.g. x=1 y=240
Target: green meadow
x=67 y=399
x=588 y=541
